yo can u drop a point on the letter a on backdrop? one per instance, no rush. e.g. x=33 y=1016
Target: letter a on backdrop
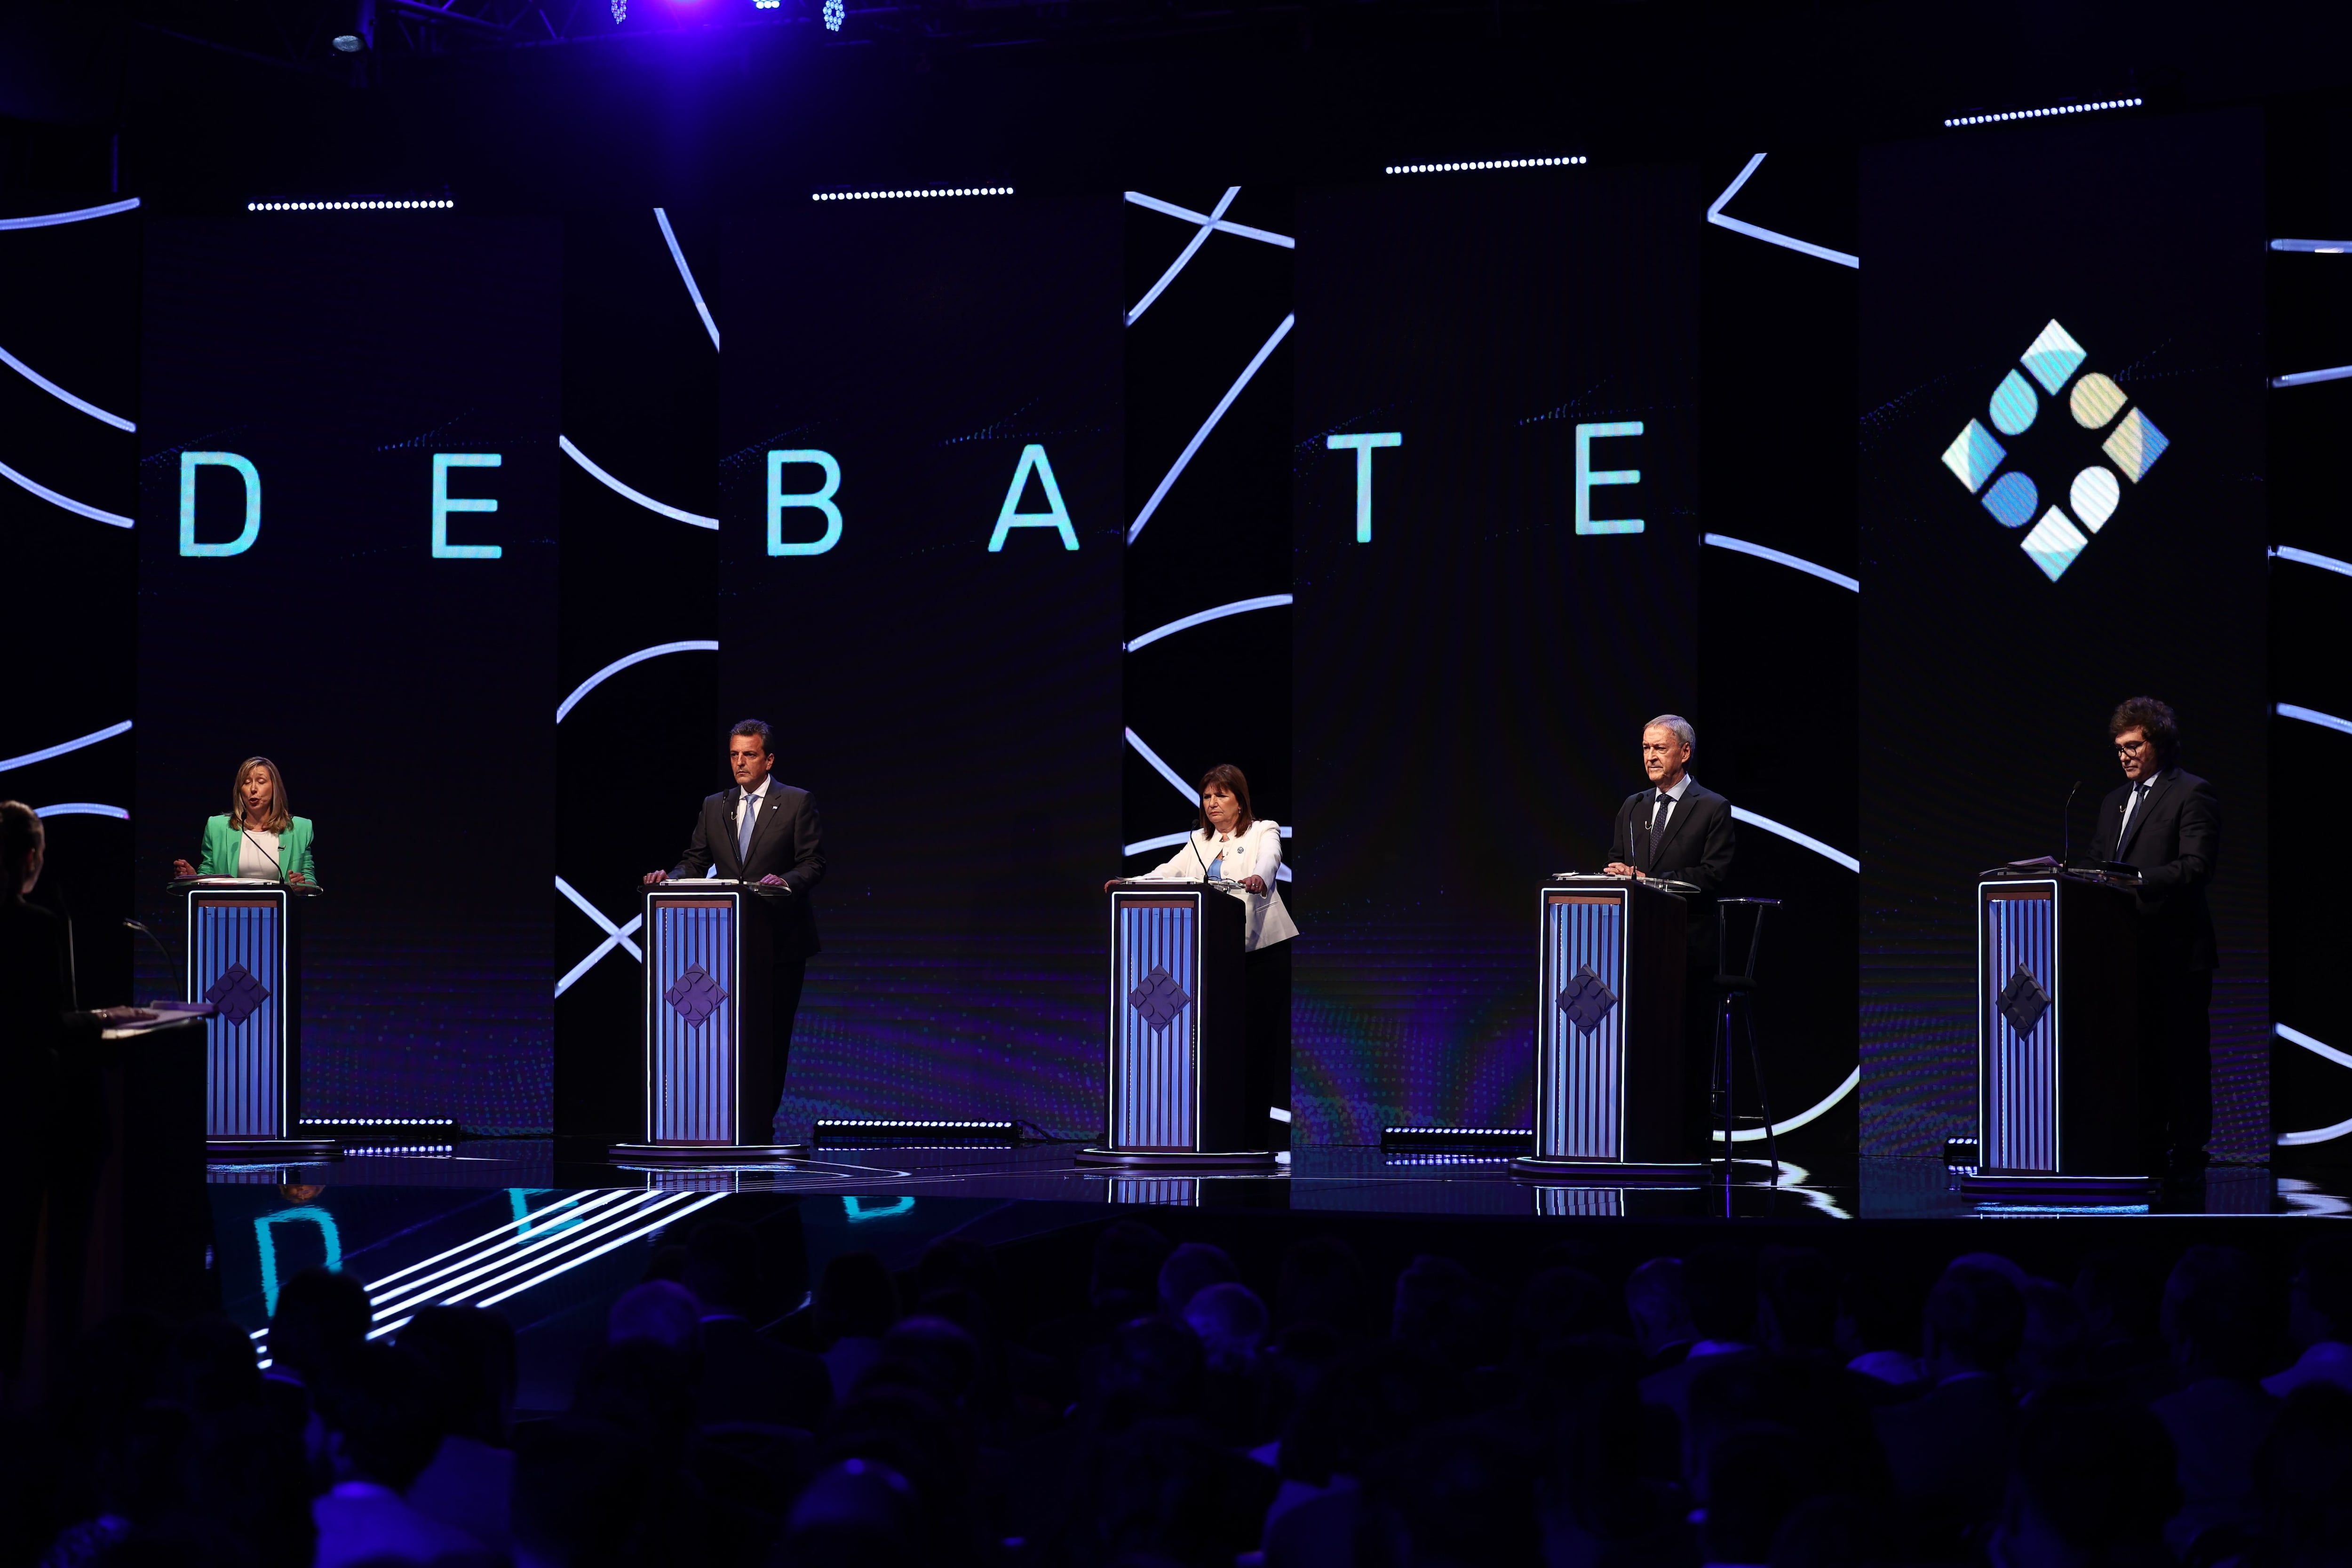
x=1057 y=516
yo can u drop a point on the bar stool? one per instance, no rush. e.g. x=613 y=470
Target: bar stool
x=1736 y=993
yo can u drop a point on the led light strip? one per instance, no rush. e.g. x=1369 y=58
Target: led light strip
x=346 y=207
x=1742 y=815
x=909 y=195
x=508 y=1235
x=1781 y=558
x=2043 y=113
x=2313 y=246
x=81 y=808
x=59 y=750
x=445 y=1292
x=1488 y=164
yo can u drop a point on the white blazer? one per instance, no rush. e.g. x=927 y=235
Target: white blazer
x=1257 y=852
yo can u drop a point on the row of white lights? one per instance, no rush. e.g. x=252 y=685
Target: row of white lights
x=1488 y=163
x=2044 y=113
x=900 y=195
x=341 y=207
x=871 y=1122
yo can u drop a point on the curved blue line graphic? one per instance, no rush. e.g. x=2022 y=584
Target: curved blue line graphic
x=81 y=808
x=686 y=272
x=1781 y=558
x=1755 y=1134
x=1189 y=215
x=2312 y=558
x=618 y=487
x=2317 y=1048
x=59 y=393
x=47 y=220
x=1198 y=617
x=47 y=494
x=2316 y=1135
x=1208 y=424
x=1160 y=767
x=618 y=664
x=1770 y=236
x=62 y=747
x=2314 y=716
x=1793 y=836
x=1199 y=238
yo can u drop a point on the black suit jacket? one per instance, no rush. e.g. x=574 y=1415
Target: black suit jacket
x=2175 y=838
x=1696 y=845
x=786 y=842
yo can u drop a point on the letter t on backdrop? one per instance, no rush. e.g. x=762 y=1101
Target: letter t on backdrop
x=1363 y=444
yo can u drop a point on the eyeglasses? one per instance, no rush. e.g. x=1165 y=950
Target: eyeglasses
x=2130 y=748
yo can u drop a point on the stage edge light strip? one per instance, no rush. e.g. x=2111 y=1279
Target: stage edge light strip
x=2314 y=1046
x=1793 y=837
x=62 y=747
x=909 y=195
x=1223 y=226
x=2314 y=716
x=1755 y=1134
x=629 y=492
x=1169 y=479
x=695 y=294
x=61 y=394
x=47 y=494
x=81 y=808
x=1201 y=618
x=618 y=664
x=2311 y=377
x=1770 y=236
x=46 y=220
x=1724 y=542
x=438 y=206
x=1199 y=238
x=2103 y=103
x=1483 y=163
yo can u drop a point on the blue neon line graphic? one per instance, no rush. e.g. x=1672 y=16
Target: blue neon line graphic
x=1715 y=215
x=1189 y=215
x=527 y=1247
x=2284 y=710
x=46 y=220
x=2312 y=558
x=1793 y=837
x=856 y=1209
x=81 y=808
x=614 y=936
x=1199 y=238
x=2313 y=246
x=1208 y=424
x=686 y=272
x=59 y=393
x=638 y=496
x=672 y=1217
x=618 y=664
x=1724 y=542
x=375 y=1287
x=47 y=494
x=2311 y=377
x=1174 y=779
x=1755 y=1134
x=1267 y=602
x=2308 y=1043
x=59 y=750
x=2316 y=1135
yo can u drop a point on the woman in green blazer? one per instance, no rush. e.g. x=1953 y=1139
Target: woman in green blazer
x=257 y=837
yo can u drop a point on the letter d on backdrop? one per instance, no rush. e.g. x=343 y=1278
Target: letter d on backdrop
x=189 y=463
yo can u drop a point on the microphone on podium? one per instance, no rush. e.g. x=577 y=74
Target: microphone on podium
x=2066 y=825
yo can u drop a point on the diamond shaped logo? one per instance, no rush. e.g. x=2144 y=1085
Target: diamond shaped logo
x=2011 y=496
x=696 y=995
x=237 y=993
x=1159 y=998
x=2022 y=1002
x=1586 y=1000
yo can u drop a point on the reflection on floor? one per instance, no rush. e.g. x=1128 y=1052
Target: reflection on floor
x=551 y=1234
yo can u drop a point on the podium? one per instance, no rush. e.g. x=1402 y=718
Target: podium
x=1174 y=1095
x=1610 y=975
x=706 y=1019
x=245 y=957
x=2058 y=1092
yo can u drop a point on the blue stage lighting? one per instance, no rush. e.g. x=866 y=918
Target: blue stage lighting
x=2043 y=113
x=1482 y=163
x=834 y=11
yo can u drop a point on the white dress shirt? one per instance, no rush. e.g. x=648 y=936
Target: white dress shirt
x=2132 y=802
x=754 y=800
x=1660 y=815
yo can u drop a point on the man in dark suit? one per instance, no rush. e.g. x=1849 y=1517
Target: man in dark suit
x=2167 y=823
x=1679 y=827
x=762 y=830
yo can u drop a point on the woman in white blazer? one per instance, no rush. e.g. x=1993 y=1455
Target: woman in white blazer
x=1231 y=844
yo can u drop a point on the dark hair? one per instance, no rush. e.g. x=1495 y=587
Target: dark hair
x=1976 y=1317
x=20 y=829
x=1237 y=786
x=2152 y=718
x=2210 y=1302
x=857 y=1295
x=755 y=727
x=382 y=1401
x=321 y=1316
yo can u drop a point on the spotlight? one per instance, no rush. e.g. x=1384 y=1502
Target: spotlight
x=348 y=43
x=834 y=11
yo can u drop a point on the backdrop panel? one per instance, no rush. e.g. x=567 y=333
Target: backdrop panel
x=1471 y=678
x=347 y=563
x=2062 y=506
x=930 y=389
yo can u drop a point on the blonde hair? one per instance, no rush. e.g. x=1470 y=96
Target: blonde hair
x=279 y=817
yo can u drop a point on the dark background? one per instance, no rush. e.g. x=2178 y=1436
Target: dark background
x=405 y=698
x=1986 y=686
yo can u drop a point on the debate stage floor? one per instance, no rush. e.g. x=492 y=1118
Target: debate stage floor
x=551 y=1233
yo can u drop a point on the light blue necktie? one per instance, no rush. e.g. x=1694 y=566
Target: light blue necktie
x=743 y=832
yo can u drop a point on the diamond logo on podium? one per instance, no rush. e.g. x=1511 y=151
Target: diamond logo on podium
x=237 y=993
x=2022 y=1002
x=696 y=993
x=1159 y=998
x=1587 y=1001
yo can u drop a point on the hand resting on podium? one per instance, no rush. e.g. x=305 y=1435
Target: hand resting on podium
x=769 y=880
x=1254 y=884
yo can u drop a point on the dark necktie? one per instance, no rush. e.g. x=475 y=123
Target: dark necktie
x=2131 y=818
x=1660 y=805
x=743 y=832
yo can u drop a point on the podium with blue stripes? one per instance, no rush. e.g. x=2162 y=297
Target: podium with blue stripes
x=1173 y=1090
x=1609 y=1080
x=245 y=958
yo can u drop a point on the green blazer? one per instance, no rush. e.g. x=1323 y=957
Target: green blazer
x=222 y=840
